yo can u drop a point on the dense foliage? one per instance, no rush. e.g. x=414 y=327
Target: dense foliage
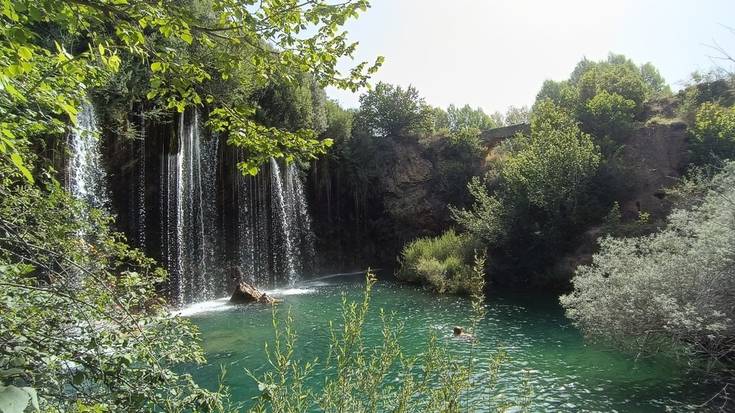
x=533 y=194
x=182 y=50
x=606 y=96
x=670 y=291
x=389 y=110
x=443 y=263
x=83 y=327
x=465 y=118
x=543 y=189
x=713 y=133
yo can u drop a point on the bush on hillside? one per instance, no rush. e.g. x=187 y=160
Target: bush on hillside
x=713 y=133
x=443 y=263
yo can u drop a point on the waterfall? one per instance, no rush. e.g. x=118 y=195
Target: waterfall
x=138 y=201
x=189 y=212
x=300 y=215
x=271 y=243
x=283 y=218
x=275 y=242
x=86 y=178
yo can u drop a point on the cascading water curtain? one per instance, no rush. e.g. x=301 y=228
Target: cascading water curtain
x=274 y=238
x=254 y=238
x=275 y=241
x=189 y=214
x=140 y=185
x=303 y=235
x=86 y=178
x=284 y=254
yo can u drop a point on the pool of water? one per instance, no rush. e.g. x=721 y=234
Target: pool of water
x=566 y=373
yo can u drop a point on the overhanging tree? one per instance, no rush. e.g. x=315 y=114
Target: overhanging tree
x=53 y=52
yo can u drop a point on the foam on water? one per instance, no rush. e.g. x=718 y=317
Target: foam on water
x=219 y=304
x=223 y=304
x=282 y=292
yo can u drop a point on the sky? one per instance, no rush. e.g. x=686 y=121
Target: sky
x=496 y=53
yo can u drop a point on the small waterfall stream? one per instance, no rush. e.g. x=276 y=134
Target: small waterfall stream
x=189 y=212
x=275 y=242
x=86 y=178
x=139 y=186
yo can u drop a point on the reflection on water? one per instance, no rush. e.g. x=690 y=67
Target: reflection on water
x=566 y=374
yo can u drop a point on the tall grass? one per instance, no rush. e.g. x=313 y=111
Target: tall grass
x=443 y=263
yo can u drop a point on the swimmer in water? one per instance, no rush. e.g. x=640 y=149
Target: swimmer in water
x=459 y=333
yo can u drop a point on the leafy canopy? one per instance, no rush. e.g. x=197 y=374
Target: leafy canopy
x=713 y=133
x=391 y=110
x=555 y=162
x=542 y=179
x=53 y=52
x=606 y=96
x=467 y=118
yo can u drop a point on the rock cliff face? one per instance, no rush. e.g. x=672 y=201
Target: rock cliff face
x=401 y=189
x=405 y=181
x=656 y=156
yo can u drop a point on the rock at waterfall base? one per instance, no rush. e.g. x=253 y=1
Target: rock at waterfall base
x=247 y=294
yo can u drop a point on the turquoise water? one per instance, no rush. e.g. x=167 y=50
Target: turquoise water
x=566 y=374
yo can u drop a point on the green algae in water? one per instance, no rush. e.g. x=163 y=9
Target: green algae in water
x=566 y=373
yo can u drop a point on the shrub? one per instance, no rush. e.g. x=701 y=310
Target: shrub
x=713 y=134
x=82 y=325
x=442 y=262
x=670 y=291
x=433 y=272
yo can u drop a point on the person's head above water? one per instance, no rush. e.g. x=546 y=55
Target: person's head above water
x=458 y=330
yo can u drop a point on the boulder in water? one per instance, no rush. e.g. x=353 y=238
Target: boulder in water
x=247 y=294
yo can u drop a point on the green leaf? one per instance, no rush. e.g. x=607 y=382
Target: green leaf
x=114 y=63
x=186 y=36
x=18 y=162
x=25 y=53
x=156 y=67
